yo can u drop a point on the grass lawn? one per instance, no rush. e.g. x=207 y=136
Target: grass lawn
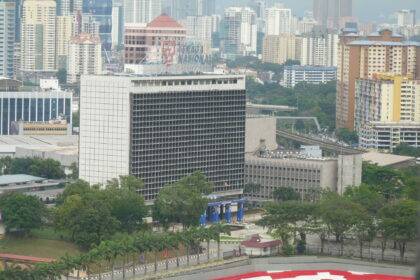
x=37 y=247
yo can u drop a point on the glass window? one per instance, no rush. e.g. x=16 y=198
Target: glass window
x=40 y=110
x=26 y=109
x=19 y=109
x=47 y=103
x=53 y=108
x=5 y=115
x=12 y=108
x=61 y=106
x=33 y=109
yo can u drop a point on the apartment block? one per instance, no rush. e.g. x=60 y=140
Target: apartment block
x=362 y=58
x=296 y=74
x=7 y=30
x=279 y=48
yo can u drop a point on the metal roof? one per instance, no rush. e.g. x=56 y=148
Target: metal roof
x=18 y=179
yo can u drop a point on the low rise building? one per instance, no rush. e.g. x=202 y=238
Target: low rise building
x=52 y=127
x=296 y=74
x=46 y=190
x=388 y=135
x=273 y=169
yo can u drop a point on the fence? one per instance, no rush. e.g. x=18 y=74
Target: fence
x=367 y=255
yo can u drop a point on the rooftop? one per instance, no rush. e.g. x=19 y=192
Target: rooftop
x=383 y=159
x=18 y=179
x=384 y=43
x=164 y=21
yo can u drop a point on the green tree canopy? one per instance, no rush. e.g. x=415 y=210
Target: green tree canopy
x=384 y=180
x=285 y=194
x=398 y=221
x=46 y=168
x=21 y=213
x=367 y=197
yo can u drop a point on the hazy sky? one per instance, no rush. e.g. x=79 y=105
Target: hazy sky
x=363 y=9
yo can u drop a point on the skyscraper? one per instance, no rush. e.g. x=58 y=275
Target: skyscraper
x=101 y=13
x=84 y=56
x=38 y=36
x=161 y=129
x=7 y=29
x=141 y=11
x=68 y=7
x=329 y=12
x=117 y=32
x=239 y=31
x=406 y=18
x=278 y=20
x=65 y=30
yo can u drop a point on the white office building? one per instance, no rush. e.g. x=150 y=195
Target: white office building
x=406 y=18
x=294 y=75
x=161 y=129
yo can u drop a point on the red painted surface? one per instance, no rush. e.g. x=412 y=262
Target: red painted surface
x=315 y=275
x=24 y=259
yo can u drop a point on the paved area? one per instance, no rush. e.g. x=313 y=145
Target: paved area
x=300 y=263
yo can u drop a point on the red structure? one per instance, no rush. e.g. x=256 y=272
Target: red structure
x=26 y=261
x=316 y=275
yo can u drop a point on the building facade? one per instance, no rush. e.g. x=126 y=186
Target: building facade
x=387 y=135
x=319 y=50
x=304 y=175
x=38 y=36
x=239 y=32
x=381 y=52
x=296 y=74
x=84 y=56
x=387 y=98
x=156 y=42
x=201 y=29
x=141 y=11
x=7 y=29
x=65 y=31
x=329 y=12
x=278 y=20
x=41 y=106
x=117 y=32
x=161 y=129
x=406 y=18
x=279 y=48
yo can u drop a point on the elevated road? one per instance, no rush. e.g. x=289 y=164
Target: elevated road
x=278 y=108
x=326 y=145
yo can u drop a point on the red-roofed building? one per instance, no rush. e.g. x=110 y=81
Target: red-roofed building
x=255 y=246
x=155 y=42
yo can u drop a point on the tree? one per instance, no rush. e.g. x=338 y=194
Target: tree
x=405 y=149
x=285 y=194
x=186 y=196
x=350 y=137
x=365 y=196
x=88 y=218
x=384 y=180
x=21 y=213
x=189 y=205
x=127 y=206
x=74 y=171
x=364 y=228
x=398 y=221
x=46 y=168
x=339 y=214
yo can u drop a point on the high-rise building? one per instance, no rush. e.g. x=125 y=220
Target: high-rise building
x=141 y=11
x=329 y=12
x=84 y=56
x=7 y=30
x=201 y=29
x=406 y=18
x=239 y=32
x=362 y=58
x=18 y=19
x=279 y=48
x=117 y=32
x=206 y=7
x=388 y=99
x=38 y=36
x=278 y=20
x=101 y=12
x=155 y=42
x=34 y=106
x=65 y=30
x=319 y=49
x=68 y=7
x=161 y=129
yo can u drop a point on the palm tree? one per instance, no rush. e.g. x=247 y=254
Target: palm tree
x=216 y=231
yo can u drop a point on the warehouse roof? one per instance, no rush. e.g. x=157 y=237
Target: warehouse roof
x=18 y=179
